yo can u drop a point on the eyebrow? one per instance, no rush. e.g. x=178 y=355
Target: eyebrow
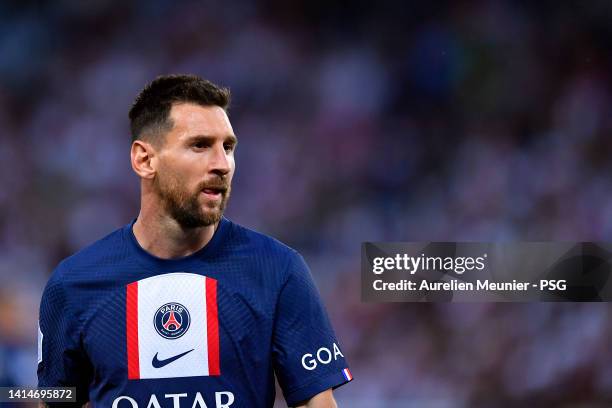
x=228 y=138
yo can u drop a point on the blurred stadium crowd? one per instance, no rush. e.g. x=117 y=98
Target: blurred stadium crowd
x=450 y=120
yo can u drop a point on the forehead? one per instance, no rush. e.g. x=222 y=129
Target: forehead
x=190 y=119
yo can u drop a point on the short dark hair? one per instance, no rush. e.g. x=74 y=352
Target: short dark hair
x=150 y=112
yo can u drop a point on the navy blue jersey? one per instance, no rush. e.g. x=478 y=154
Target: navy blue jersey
x=211 y=329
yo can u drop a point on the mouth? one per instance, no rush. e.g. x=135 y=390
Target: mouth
x=214 y=192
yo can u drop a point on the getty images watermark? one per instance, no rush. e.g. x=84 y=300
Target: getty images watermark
x=507 y=272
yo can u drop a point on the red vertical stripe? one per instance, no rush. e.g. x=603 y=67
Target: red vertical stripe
x=212 y=327
x=131 y=318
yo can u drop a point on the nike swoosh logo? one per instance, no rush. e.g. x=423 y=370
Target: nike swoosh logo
x=161 y=363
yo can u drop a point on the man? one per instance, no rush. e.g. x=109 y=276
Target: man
x=182 y=307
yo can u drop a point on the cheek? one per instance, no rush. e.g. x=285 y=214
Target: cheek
x=181 y=168
x=232 y=167
x=175 y=176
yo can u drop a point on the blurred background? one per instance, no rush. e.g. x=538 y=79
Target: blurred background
x=358 y=121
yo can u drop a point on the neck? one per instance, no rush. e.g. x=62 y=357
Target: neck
x=163 y=237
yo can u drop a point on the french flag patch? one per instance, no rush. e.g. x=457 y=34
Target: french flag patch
x=347 y=374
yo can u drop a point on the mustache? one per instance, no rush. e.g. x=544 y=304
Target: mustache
x=217 y=184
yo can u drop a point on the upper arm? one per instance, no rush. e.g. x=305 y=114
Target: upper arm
x=62 y=360
x=307 y=356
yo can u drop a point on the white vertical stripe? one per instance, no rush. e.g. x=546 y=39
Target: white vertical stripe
x=190 y=291
x=40 y=340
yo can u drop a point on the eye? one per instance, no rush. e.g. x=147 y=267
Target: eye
x=229 y=147
x=199 y=145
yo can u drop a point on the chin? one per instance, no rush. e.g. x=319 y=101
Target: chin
x=212 y=217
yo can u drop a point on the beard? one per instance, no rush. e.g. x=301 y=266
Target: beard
x=185 y=206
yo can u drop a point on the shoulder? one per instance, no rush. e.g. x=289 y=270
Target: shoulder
x=69 y=284
x=264 y=247
x=79 y=265
x=257 y=241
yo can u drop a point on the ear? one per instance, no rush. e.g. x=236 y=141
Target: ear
x=143 y=159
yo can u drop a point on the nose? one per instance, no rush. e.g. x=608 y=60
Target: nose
x=220 y=162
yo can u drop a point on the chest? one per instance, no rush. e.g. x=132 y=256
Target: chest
x=180 y=325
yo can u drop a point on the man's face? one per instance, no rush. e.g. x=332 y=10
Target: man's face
x=196 y=164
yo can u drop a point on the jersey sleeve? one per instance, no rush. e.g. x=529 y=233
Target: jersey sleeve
x=307 y=356
x=62 y=361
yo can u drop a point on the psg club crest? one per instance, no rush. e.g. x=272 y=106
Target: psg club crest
x=172 y=320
